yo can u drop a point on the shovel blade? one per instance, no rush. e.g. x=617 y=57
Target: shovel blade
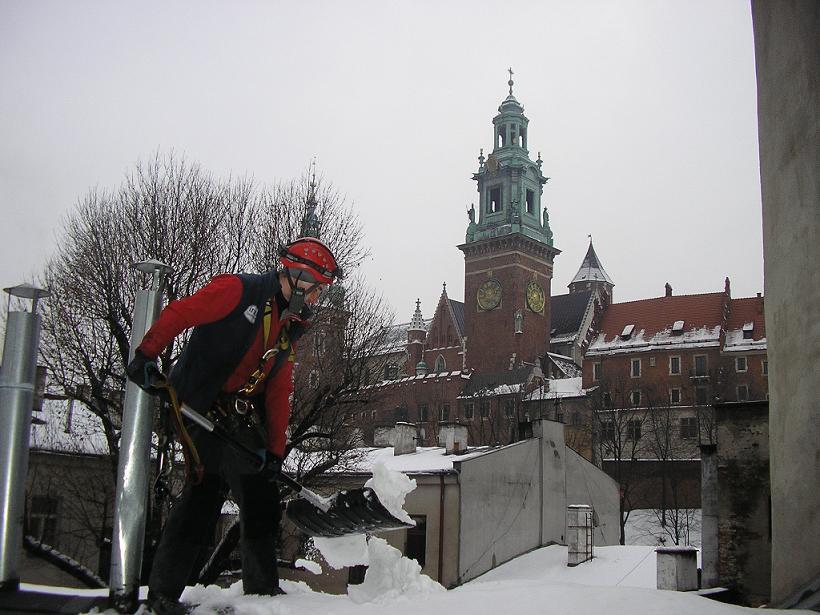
x=355 y=511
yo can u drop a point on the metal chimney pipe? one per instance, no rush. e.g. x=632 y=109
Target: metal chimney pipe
x=133 y=470
x=17 y=377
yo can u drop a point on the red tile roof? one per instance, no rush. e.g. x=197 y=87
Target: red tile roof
x=747 y=309
x=658 y=314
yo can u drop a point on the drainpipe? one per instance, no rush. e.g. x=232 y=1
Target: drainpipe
x=17 y=377
x=131 y=502
x=441 y=530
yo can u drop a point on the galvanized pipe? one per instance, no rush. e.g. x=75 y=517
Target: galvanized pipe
x=133 y=471
x=17 y=376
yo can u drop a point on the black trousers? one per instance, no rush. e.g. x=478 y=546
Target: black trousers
x=192 y=522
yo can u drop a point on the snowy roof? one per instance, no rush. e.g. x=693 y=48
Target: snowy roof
x=591 y=269
x=653 y=321
x=746 y=327
x=499 y=383
x=558 y=388
x=566 y=364
x=395 y=340
x=426 y=460
x=68 y=428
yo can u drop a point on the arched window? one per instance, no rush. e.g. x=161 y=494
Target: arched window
x=440 y=364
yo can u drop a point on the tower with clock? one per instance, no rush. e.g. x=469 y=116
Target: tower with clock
x=508 y=251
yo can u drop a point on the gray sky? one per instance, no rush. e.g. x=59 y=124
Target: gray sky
x=644 y=113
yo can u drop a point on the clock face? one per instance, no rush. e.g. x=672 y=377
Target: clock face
x=535 y=298
x=488 y=296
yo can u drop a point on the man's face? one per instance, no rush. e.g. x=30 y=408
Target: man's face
x=310 y=298
x=313 y=296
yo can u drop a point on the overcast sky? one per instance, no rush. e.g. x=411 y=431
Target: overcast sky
x=644 y=113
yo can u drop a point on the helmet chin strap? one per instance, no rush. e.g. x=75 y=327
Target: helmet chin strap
x=296 y=303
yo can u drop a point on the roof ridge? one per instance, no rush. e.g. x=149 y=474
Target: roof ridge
x=663 y=297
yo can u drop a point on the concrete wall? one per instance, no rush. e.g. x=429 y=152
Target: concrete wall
x=786 y=34
x=744 y=543
x=500 y=507
x=587 y=484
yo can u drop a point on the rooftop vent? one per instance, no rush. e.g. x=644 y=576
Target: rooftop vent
x=627 y=332
x=677 y=327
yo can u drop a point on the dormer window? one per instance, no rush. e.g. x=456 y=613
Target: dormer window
x=677 y=327
x=627 y=332
x=748 y=330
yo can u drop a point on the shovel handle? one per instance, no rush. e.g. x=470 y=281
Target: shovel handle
x=314 y=498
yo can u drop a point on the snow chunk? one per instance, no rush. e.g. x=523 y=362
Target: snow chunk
x=390 y=575
x=343 y=550
x=391 y=488
x=308 y=565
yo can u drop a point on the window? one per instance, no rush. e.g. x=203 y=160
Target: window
x=627 y=332
x=651 y=361
x=424 y=414
x=742 y=392
x=636 y=368
x=576 y=419
x=701 y=396
x=484 y=408
x=400 y=413
x=701 y=366
x=677 y=327
x=391 y=371
x=493 y=200
x=530 y=202
x=509 y=408
x=748 y=330
x=607 y=400
x=674 y=396
x=43 y=519
x=740 y=364
x=416 y=547
x=607 y=430
x=688 y=428
x=468 y=410
x=441 y=365
x=445 y=412
x=765 y=367
x=674 y=366
x=319 y=344
x=633 y=430
x=635 y=398
x=597 y=371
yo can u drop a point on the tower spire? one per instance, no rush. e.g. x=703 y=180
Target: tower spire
x=510 y=82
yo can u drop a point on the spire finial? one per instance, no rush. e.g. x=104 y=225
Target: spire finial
x=444 y=288
x=418 y=304
x=590 y=238
x=510 y=82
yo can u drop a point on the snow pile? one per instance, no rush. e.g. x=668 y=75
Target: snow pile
x=391 y=488
x=390 y=575
x=308 y=565
x=343 y=551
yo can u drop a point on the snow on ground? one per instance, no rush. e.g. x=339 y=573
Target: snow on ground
x=619 y=581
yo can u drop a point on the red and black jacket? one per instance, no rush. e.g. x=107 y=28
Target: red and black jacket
x=226 y=346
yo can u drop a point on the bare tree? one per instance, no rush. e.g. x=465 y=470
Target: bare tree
x=620 y=426
x=171 y=210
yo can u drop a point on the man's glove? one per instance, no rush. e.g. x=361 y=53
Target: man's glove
x=143 y=371
x=273 y=466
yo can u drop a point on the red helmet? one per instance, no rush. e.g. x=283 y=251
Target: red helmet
x=313 y=257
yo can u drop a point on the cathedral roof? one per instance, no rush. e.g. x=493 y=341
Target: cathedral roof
x=591 y=269
x=567 y=312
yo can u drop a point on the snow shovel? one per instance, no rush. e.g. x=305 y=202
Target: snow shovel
x=352 y=511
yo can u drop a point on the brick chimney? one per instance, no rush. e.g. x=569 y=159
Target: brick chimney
x=453 y=437
x=668 y=288
x=404 y=438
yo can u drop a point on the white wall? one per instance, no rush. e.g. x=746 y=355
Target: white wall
x=587 y=484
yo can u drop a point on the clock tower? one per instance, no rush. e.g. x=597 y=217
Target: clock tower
x=508 y=252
